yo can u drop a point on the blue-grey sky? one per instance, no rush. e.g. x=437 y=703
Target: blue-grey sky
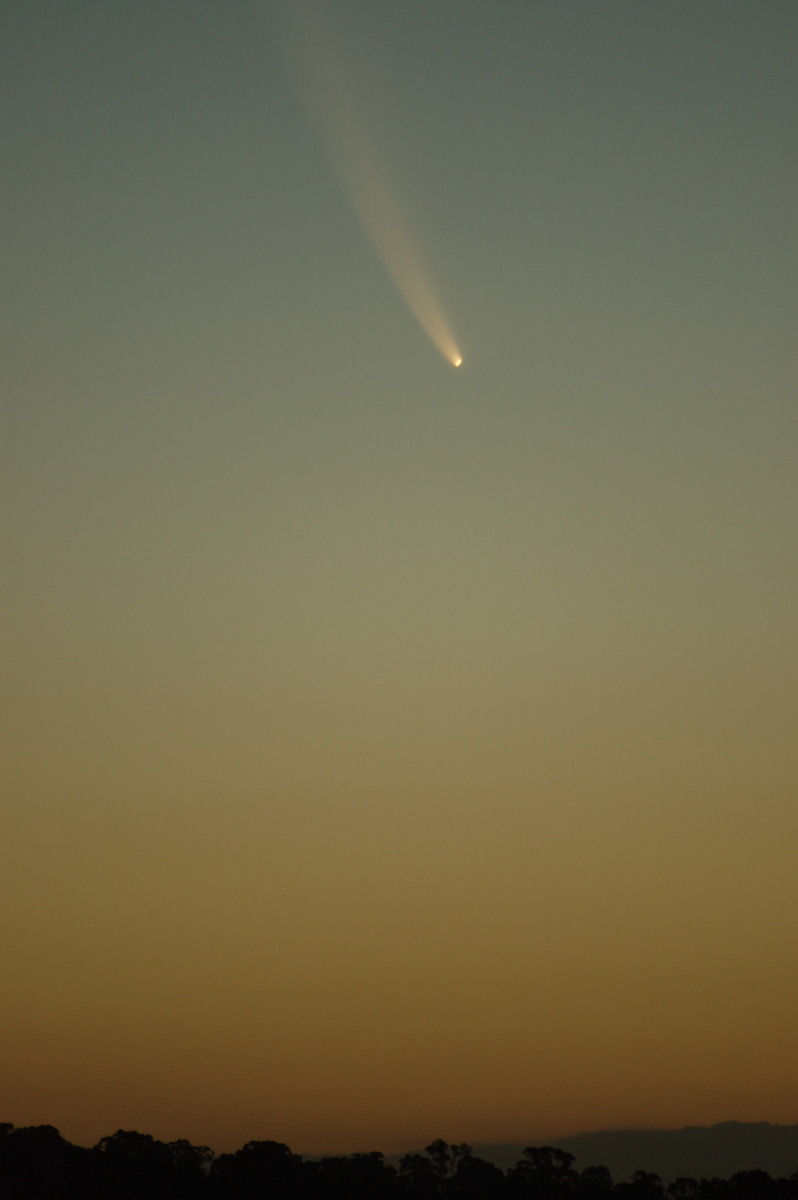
x=400 y=734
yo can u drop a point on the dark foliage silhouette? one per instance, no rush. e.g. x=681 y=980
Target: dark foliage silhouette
x=36 y=1163
x=129 y=1164
x=354 y=1175
x=241 y=1176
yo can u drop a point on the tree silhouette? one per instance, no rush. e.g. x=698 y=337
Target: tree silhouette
x=683 y=1188
x=36 y=1163
x=256 y=1169
x=644 y=1185
x=133 y=1165
x=352 y=1177
x=544 y=1173
x=475 y=1179
x=417 y=1177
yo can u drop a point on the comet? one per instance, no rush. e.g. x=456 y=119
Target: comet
x=357 y=156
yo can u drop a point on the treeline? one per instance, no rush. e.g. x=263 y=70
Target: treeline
x=36 y=1163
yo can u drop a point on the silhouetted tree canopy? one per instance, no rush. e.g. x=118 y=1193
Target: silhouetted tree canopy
x=36 y=1163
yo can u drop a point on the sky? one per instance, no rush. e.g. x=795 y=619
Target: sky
x=396 y=751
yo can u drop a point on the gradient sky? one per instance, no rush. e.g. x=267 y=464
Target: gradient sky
x=395 y=751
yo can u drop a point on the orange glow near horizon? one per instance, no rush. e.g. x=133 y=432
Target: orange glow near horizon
x=316 y=972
